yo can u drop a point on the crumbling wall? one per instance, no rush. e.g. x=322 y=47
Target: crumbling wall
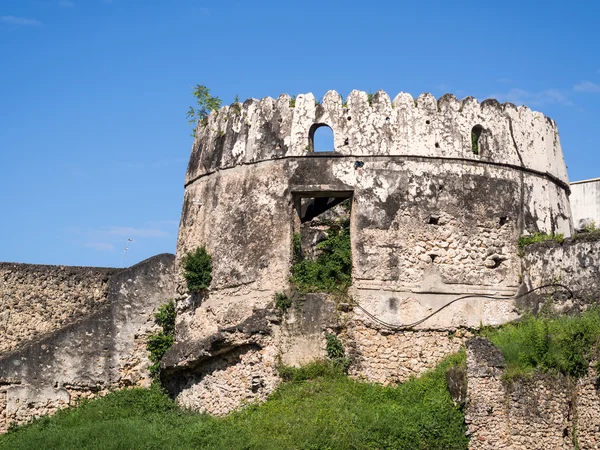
x=574 y=263
x=103 y=350
x=431 y=220
x=545 y=411
x=37 y=299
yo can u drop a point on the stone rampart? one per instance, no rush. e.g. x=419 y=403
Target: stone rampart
x=267 y=129
x=100 y=349
x=38 y=299
x=440 y=192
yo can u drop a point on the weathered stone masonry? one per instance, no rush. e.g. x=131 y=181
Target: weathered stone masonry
x=547 y=411
x=90 y=349
x=37 y=299
x=430 y=221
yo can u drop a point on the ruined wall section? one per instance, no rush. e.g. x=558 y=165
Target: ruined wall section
x=574 y=263
x=103 y=350
x=545 y=411
x=38 y=299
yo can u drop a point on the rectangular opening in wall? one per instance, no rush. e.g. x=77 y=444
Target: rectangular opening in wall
x=322 y=259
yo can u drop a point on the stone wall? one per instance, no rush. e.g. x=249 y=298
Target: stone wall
x=102 y=350
x=585 y=201
x=574 y=263
x=546 y=411
x=384 y=356
x=37 y=299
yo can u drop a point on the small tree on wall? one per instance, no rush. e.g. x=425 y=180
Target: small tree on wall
x=197 y=266
x=205 y=103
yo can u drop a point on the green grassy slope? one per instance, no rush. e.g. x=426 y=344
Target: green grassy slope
x=329 y=411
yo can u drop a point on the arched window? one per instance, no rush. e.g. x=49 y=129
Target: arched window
x=476 y=134
x=321 y=138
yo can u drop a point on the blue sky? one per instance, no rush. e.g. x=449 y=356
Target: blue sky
x=93 y=94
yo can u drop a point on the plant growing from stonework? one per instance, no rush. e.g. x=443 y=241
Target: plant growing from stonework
x=236 y=106
x=197 y=266
x=205 y=103
x=524 y=241
x=331 y=271
x=282 y=302
x=335 y=352
x=158 y=343
x=474 y=143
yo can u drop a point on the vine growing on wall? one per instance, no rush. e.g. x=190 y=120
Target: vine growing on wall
x=158 y=343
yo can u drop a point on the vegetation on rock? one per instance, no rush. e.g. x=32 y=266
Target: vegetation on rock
x=158 y=343
x=197 y=266
x=205 y=103
x=331 y=271
x=560 y=344
x=524 y=241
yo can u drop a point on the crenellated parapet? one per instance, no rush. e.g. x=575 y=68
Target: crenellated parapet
x=371 y=126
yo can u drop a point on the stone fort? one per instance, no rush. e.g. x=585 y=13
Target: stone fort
x=439 y=193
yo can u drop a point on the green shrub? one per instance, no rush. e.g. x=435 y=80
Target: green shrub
x=205 y=103
x=282 y=301
x=336 y=353
x=165 y=317
x=331 y=271
x=564 y=344
x=524 y=241
x=158 y=344
x=197 y=267
x=334 y=347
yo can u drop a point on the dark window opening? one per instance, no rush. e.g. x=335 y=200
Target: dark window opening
x=503 y=221
x=321 y=138
x=322 y=260
x=476 y=133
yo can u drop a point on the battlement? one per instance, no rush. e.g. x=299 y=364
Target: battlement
x=266 y=129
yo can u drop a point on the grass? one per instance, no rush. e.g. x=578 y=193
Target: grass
x=320 y=408
x=524 y=241
x=563 y=344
